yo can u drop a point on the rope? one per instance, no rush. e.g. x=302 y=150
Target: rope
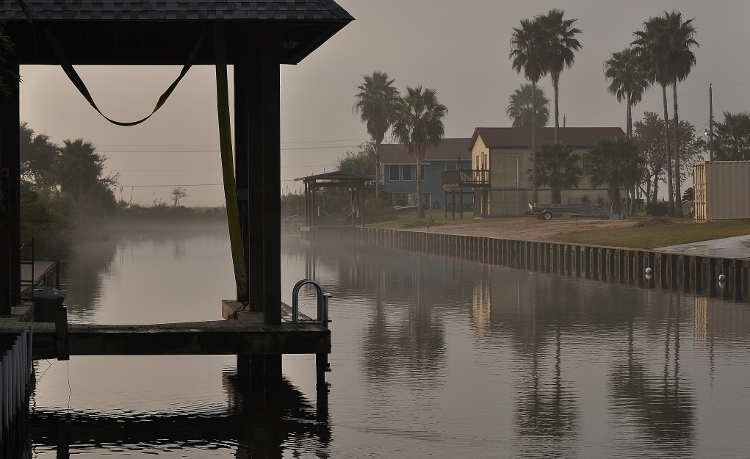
x=81 y=86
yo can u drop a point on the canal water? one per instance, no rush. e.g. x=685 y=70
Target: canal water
x=432 y=357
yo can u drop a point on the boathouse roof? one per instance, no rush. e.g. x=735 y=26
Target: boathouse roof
x=106 y=32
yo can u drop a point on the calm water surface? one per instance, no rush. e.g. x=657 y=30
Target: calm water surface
x=432 y=357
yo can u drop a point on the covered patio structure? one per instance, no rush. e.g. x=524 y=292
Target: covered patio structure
x=337 y=179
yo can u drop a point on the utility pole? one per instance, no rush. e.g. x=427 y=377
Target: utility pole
x=710 y=123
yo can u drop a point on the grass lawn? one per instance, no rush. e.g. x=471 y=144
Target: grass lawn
x=410 y=220
x=644 y=234
x=658 y=233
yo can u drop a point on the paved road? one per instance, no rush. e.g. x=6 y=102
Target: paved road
x=737 y=247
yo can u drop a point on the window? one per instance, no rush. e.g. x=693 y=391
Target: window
x=407 y=173
x=421 y=173
x=394 y=173
x=450 y=166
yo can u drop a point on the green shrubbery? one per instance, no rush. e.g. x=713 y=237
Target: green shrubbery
x=659 y=209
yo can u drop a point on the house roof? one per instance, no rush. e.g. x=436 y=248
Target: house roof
x=146 y=32
x=511 y=137
x=447 y=150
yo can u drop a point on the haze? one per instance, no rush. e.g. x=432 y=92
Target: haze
x=458 y=48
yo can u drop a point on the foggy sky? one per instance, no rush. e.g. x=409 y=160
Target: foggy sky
x=459 y=48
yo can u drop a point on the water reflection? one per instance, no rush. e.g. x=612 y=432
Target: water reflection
x=431 y=357
x=256 y=423
x=548 y=319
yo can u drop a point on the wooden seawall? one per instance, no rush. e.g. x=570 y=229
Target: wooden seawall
x=636 y=267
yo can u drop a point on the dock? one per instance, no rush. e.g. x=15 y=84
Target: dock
x=239 y=333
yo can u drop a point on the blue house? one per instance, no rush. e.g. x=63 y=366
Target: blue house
x=399 y=172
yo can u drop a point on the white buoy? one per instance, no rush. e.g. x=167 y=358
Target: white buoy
x=722 y=278
x=649 y=270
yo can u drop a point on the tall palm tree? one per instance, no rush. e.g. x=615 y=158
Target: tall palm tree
x=617 y=163
x=78 y=168
x=558 y=168
x=629 y=81
x=375 y=102
x=678 y=39
x=649 y=44
x=527 y=45
x=560 y=51
x=519 y=107
x=417 y=125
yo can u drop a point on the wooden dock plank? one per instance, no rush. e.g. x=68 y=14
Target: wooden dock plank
x=244 y=335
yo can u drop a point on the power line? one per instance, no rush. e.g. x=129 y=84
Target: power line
x=162 y=186
x=330 y=147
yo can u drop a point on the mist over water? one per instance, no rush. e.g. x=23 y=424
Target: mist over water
x=432 y=357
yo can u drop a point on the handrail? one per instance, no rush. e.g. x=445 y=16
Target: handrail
x=32 y=281
x=322 y=303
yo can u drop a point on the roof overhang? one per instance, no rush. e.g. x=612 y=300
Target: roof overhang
x=99 y=37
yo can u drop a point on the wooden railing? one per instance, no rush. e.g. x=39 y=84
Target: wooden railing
x=466 y=178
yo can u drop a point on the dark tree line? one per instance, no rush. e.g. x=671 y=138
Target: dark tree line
x=74 y=170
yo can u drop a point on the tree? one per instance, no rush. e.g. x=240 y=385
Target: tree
x=629 y=81
x=38 y=154
x=360 y=163
x=375 y=103
x=649 y=136
x=647 y=133
x=527 y=45
x=649 y=46
x=417 y=125
x=560 y=51
x=78 y=170
x=665 y=43
x=177 y=194
x=732 y=137
x=616 y=163
x=679 y=39
x=557 y=167
x=7 y=47
x=519 y=107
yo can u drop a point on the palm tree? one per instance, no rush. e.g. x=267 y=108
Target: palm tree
x=629 y=81
x=527 y=44
x=557 y=167
x=417 y=125
x=78 y=168
x=375 y=103
x=617 y=163
x=519 y=107
x=649 y=45
x=679 y=38
x=560 y=51
x=732 y=137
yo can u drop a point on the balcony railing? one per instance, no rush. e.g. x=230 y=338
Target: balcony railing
x=466 y=178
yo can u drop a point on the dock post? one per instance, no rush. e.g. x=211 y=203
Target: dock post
x=61 y=333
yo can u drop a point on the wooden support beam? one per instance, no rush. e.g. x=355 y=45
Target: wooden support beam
x=10 y=173
x=242 y=143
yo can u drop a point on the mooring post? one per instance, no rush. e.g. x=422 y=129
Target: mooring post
x=61 y=333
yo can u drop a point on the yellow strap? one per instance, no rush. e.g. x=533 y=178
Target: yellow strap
x=79 y=84
x=227 y=162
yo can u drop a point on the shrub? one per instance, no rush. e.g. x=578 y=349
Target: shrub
x=378 y=210
x=660 y=209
